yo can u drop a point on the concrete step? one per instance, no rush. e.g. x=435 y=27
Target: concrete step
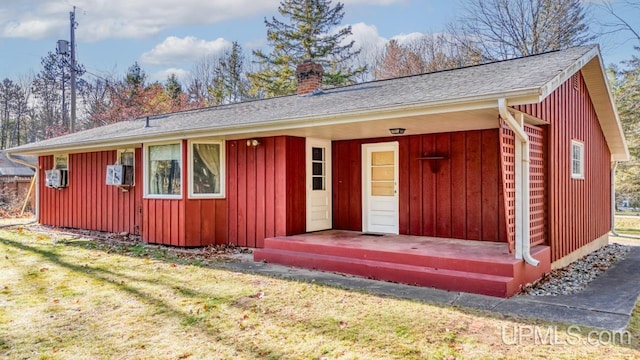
x=442 y=278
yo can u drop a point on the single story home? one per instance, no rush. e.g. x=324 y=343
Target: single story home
x=478 y=179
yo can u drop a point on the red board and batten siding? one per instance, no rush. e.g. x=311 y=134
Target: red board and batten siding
x=459 y=198
x=266 y=190
x=88 y=203
x=579 y=209
x=265 y=196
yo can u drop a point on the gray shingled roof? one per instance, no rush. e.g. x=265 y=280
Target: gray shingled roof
x=10 y=168
x=521 y=75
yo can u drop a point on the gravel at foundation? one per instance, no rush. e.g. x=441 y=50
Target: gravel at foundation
x=575 y=277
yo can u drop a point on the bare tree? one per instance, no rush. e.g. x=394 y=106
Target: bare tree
x=202 y=80
x=620 y=22
x=429 y=53
x=503 y=29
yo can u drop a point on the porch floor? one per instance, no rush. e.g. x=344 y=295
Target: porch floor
x=459 y=265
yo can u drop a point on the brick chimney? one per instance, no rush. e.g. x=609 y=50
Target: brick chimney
x=309 y=77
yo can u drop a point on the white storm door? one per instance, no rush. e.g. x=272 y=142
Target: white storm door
x=318 y=153
x=380 y=187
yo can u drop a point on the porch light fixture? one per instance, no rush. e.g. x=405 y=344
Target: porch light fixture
x=397 y=131
x=253 y=142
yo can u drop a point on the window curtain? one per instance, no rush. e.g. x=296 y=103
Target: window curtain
x=210 y=156
x=164 y=166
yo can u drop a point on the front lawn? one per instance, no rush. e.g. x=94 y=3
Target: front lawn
x=73 y=298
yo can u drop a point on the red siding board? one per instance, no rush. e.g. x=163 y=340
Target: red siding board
x=355 y=186
x=261 y=194
x=281 y=186
x=270 y=188
x=232 y=190
x=251 y=196
x=458 y=186
x=296 y=188
x=490 y=186
x=428 y=180
x=474 y=176
x=443 y=187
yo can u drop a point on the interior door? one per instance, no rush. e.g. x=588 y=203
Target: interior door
x=318 y=153
x=380 y=187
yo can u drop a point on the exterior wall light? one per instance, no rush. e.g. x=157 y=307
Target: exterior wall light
x=397 y=131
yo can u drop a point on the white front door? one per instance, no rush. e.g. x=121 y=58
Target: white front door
x=380 y=187
x=318 y=184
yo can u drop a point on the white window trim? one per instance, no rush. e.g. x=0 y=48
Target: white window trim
x=578 y=176
x=55 y=163
x=145 y=171
x=223 y=166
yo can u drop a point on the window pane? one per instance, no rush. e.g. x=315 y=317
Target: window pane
x=382 y=173
x=317 y=154
x=318 y=168
x=382 y=158
x=126 y=158
x=164 y=169
x=382 y=188
x=318 y=183
x=206 y=168
x=60 y=161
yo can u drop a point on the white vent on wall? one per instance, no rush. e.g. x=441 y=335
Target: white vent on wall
x=57 y=178
x=119 y=175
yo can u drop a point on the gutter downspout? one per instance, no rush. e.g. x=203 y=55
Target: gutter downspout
x=614 y=167
x=523 y=246
x=36 y=176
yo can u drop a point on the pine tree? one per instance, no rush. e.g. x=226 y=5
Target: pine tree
x=230 y=85
x=310 y=31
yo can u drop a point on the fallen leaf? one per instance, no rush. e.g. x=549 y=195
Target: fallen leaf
x=56 y=300
x=43 y=269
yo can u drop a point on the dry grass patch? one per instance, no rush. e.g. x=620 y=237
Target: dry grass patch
x=66 y=298
x=628 y=225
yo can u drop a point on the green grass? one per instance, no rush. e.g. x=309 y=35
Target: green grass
x=628 y=225
x=85 y=299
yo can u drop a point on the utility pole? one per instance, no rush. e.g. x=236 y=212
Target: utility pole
x=72 y=18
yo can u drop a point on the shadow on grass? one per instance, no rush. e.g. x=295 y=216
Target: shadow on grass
x=115 y=279
x=162 y=254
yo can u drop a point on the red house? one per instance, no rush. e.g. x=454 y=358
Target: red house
x=476 y=179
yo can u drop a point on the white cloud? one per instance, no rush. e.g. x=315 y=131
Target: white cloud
x=408 y=38
x=161 y=76
x=108 y=19
x=136 y=19
x=366 y=36
x=174 y=50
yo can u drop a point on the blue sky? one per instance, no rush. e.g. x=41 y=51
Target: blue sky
x=171 y=35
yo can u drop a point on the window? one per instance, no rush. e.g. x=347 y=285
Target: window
x=163 y=170
x=206 y=178
x=577 y=159
x=126 y=157
x=61 y=161
x=318 y=168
